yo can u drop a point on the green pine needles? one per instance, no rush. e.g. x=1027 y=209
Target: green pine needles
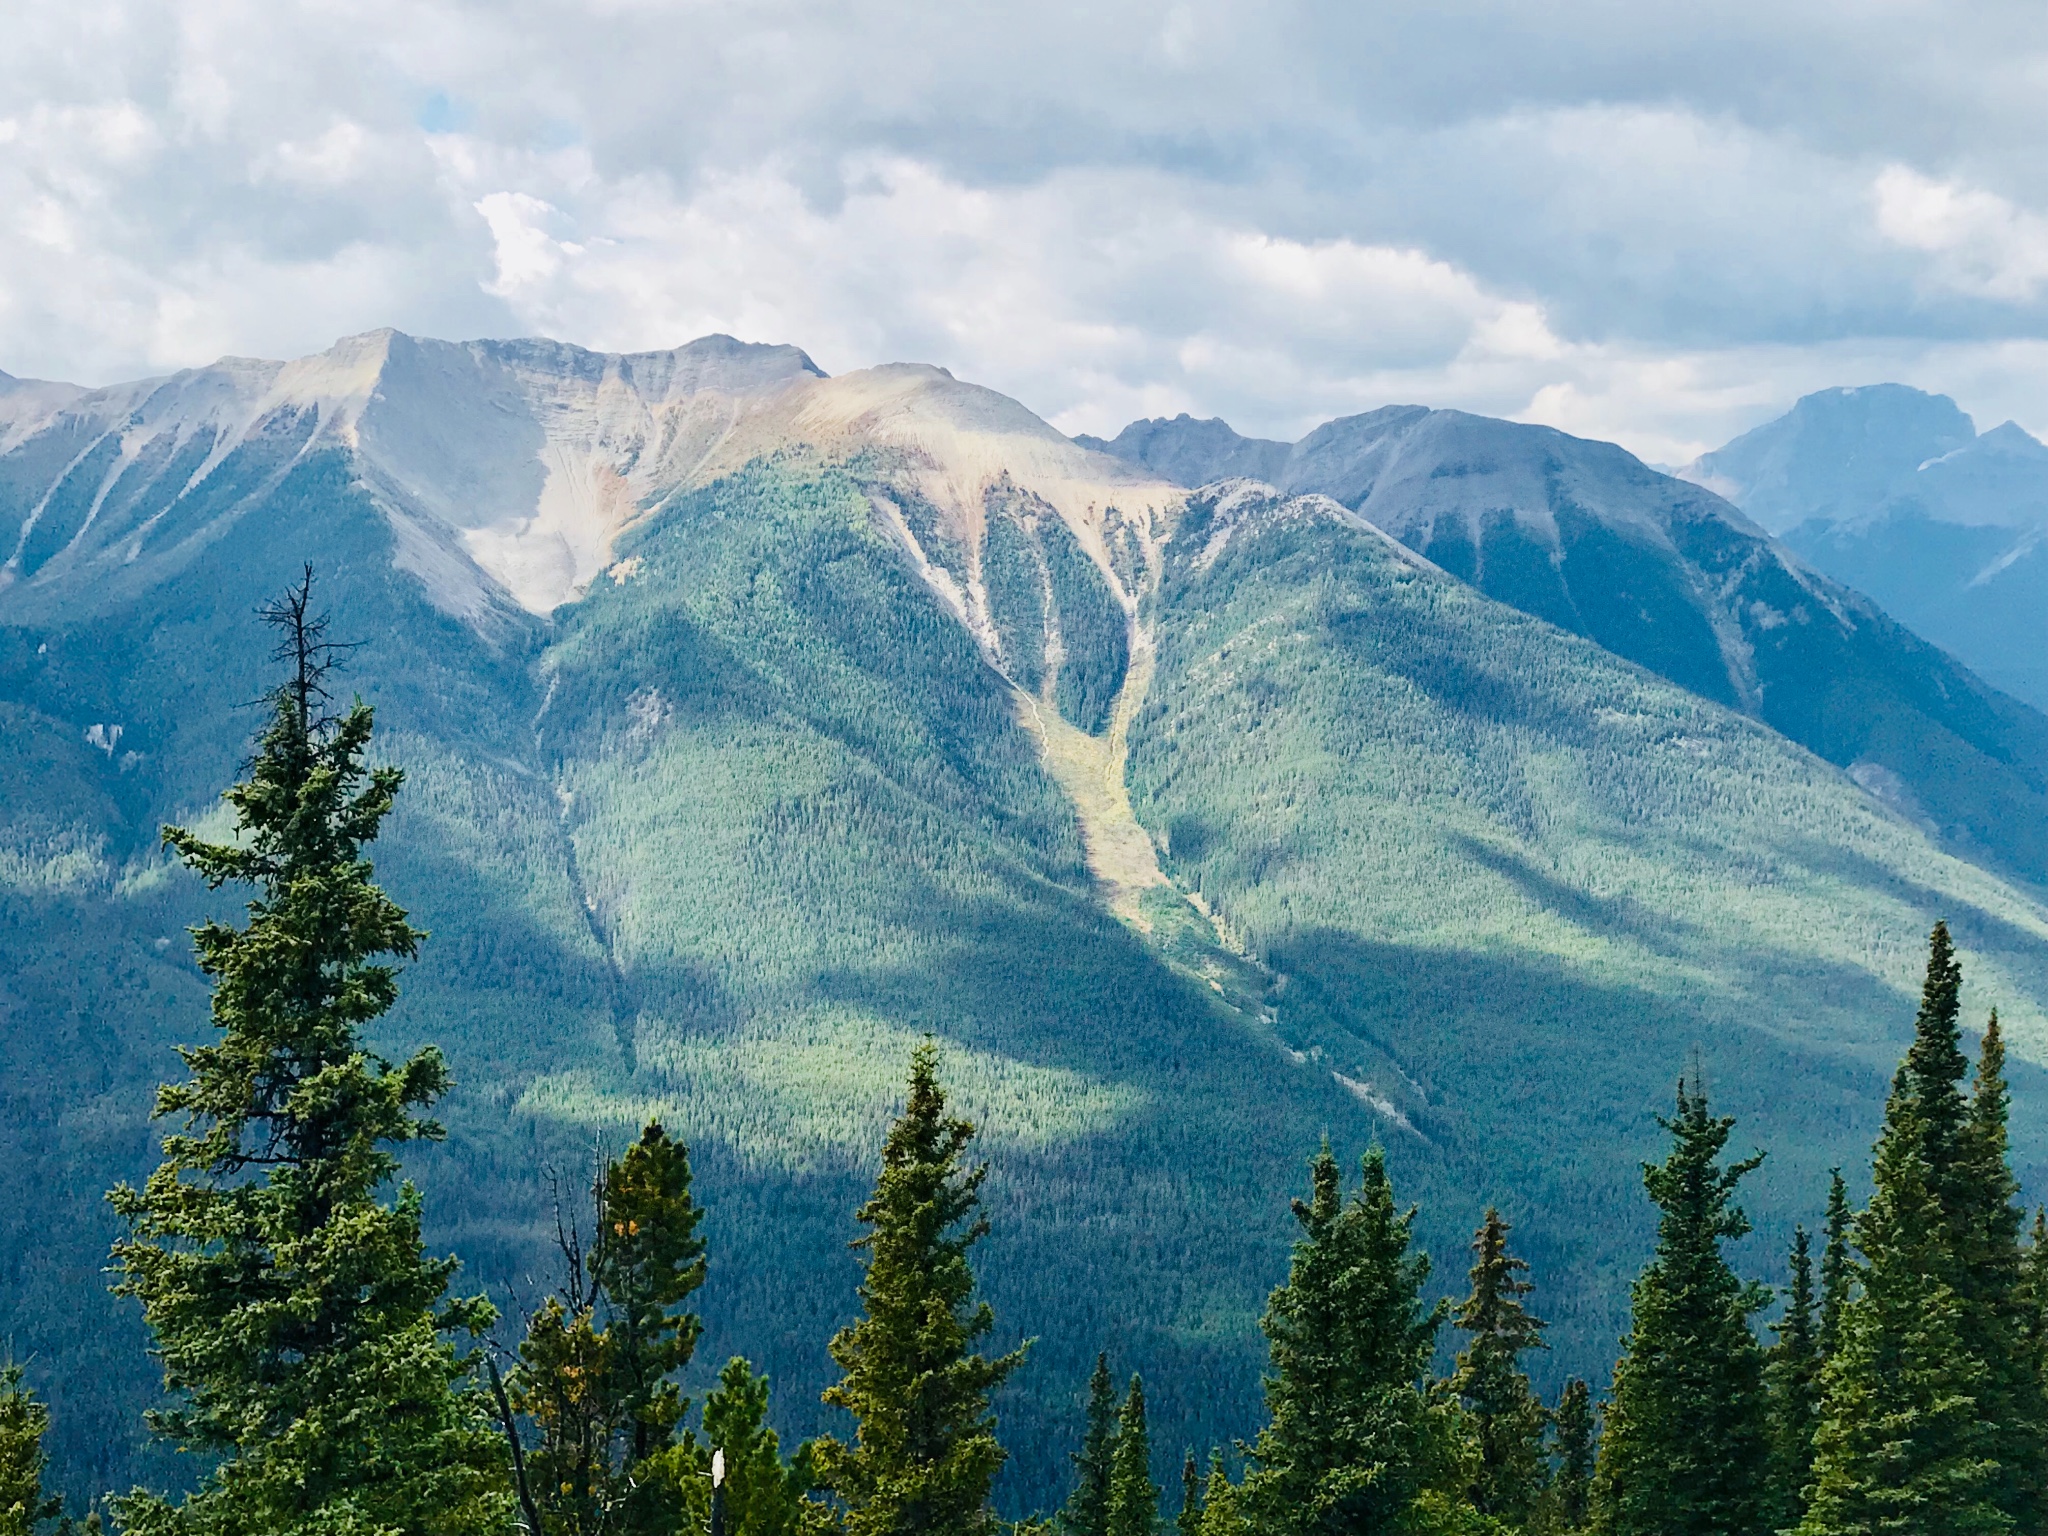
x=925 y=1452
x=597 y=1367
x=1571 y=1483
x=304 y=1333
x=1686 y=1448
x=1354 y=1440
x=1504 y=1414
x=1133 y=1496
x=23 y=1423
x=1932 y=1414
x=1792 y=1380
x=1086 y=1512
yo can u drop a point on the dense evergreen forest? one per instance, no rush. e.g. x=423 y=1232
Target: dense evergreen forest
x=321 y=1377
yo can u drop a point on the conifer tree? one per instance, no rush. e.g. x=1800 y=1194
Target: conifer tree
x=1792 y=1376
x=1990 y=1286
x=764 y=1495
x=1572 y=1486
x=23 y=1423
x=1189 y=1521
x=1133 y=1496
x=1353 y=1442
x=2032 y=1305
x=1220 y=1513
x=1835 y=1267
x=1931 y=1410
x=925 y=1453
x=1933 y=1072
x=1086 y=1512
x=1686 y=1446
x=300 y=1324
x=563 y=1385
x=597 y=1366
x=646 y=1261
x=1901 y=1444
x=1505 y=1414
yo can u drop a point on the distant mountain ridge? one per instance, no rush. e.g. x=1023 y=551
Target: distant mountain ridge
x=1675 y=578
x=1895 y=492
x=507 y=468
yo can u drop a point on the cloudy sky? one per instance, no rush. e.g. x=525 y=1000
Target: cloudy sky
x=1656 y=223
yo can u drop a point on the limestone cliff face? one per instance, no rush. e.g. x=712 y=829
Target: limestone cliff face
x=506 y=468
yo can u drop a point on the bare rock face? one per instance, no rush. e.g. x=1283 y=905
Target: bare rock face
x=506 y=468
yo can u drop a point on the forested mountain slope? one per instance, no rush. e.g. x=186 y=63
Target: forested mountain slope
x=1669 y=575
x=832 y=750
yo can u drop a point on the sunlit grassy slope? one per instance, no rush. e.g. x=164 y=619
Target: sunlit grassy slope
x=723 y=839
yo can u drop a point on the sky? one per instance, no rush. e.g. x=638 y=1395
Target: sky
x=1657 y=224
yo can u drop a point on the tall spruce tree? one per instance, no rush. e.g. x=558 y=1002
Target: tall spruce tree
x=647 y=1260
x=1133 y=1496
x=1835 y=1265
x=1505 y=1414
x=301 y=1327
x=1792 y=1376
x=1902 y=1445
x=1933 y=1073
x=597 y=1368
x=1189 y=1521
x=2032 y=1302
x=1221 y=1515
x=764 y=1494
x=1086 y=1512
x=1353 y=1443
x=926 y=1451
x=1931 y=1411
x=23 y=1422
x=1991 y=1289
x=1572 y=1443
x=1686 y=1450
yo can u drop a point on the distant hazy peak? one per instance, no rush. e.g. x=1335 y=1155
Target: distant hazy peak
x=1191 y=452
x=2010 y=437
x=1837 y=453
x=26 y=402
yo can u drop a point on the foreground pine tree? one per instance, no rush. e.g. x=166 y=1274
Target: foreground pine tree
x=597 y=1368
x=1571 y=1488
x=1934 y=1410
x=1835 y=1273
x=302 y=1329
x=1991 y=1287
x=1133 y=1496
x=1901 y=1445
x=764 y=1495
x=1354 y=1444
x=925 y=1453
x=1086 y=1512
x=1686 y=1446
x=1792 y=1376
x=1189 y=1521
x=1221 y=1515
x=1503 y=1410
x=23 y=1423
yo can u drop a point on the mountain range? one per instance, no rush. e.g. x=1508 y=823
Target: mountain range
x=1436 y=781
x=1895 y=492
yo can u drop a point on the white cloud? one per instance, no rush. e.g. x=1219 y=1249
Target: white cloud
x=1981 y=242
x=1274 y=211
